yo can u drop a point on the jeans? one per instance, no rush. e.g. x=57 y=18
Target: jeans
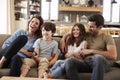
x=58 y=68
x=15 y=66
x=11 y=50
x=96 y=64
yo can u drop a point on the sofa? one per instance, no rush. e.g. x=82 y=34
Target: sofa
x=112 y=75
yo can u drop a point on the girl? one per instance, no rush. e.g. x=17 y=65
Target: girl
x=74 y=44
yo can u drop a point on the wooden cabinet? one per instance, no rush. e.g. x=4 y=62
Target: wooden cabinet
x=18 y=4
x=26 y=8
x=75 y=13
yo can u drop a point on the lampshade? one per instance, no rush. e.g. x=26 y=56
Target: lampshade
x=48 y=0
x=113 y=1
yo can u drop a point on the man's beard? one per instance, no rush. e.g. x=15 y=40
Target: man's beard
x=92 y=33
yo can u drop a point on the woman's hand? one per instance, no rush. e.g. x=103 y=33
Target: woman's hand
x=30 y=54
x=86 y=51
x=78 y=56
x=68 y=55
x=26 y=52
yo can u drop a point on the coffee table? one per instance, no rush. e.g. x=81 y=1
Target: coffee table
x=25 y=78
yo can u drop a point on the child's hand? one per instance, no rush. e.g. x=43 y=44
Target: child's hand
x=36 y=58
x=30 y=54
x=52 y=62
x=49 y=58
x=35 y=54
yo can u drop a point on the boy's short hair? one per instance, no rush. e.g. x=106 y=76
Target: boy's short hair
x=48 y=26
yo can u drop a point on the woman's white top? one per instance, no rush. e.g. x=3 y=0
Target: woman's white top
x=75 y=49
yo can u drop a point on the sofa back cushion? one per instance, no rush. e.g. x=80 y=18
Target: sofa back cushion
x=3 y=37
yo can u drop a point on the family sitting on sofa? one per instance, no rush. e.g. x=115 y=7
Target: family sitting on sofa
x=84 y=51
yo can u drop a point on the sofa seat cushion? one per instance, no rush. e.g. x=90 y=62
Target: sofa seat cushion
x=4 y=72
x=112 y=75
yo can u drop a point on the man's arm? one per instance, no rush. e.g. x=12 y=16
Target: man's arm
x=62 y=42
x=110 y=53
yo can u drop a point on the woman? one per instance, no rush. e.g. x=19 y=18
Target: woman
x=17 y=46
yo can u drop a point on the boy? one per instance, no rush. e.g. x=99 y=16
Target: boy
x=45 y=51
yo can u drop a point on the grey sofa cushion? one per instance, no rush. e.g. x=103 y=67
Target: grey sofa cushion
x=3 y=37
x=117 y=63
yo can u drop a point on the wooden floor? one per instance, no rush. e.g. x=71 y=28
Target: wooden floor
x=24 y=78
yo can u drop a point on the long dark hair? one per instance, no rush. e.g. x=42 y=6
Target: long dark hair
x=38 y=32
x=81 y=37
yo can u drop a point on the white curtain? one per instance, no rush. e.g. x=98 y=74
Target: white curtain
x=7 y=17
x=49 y=10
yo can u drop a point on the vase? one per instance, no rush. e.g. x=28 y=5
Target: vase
x=90 y=3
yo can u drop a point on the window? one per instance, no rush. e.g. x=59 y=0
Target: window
x=49 y=10
x=111 y=12
x=106 y=10
x=115 y=16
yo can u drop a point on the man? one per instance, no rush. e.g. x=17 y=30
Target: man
x=101 y=49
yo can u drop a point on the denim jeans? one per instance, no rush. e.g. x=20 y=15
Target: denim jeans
x=15 y=66
x=96 y=64
x=58 y=68
x=12 y=50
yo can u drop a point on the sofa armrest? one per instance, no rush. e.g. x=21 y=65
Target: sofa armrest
x=3 y=37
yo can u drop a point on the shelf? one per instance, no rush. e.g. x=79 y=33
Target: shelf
x=34 y=8
x=85 y=9
x=37 y=5
x=34 y=11
x=37 y=0
x=19 y=7
x=23 y=0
